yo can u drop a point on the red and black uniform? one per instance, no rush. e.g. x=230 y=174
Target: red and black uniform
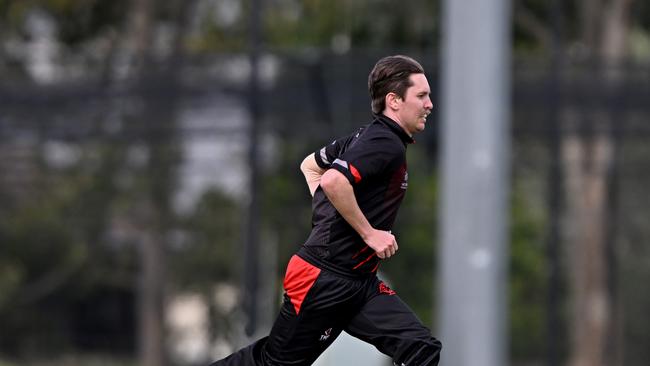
x=331 y=284
x=374 y=161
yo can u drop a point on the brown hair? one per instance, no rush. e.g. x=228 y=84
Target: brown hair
x=391 y=74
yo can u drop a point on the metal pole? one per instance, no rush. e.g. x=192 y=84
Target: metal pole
x=475 y=115
x=251 y=252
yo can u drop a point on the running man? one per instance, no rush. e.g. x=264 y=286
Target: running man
x=331 y=284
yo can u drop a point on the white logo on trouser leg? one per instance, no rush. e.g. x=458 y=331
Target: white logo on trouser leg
x=326 y=335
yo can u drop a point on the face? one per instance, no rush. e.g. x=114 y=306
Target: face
x=413 y=110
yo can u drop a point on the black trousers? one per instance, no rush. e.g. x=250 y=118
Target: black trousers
x=318 y=305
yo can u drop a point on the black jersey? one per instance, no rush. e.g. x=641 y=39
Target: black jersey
x=373 y=159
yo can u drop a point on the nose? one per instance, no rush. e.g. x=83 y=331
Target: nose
x=428 y=104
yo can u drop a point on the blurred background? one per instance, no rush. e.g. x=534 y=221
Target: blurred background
x=150 y=195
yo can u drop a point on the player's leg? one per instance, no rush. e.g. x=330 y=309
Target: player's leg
x=299 y=338
x=311 y=317
x=386 y=322
x=295 y=339
x=247 y=356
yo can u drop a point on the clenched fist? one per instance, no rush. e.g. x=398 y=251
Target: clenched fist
x=382 y=242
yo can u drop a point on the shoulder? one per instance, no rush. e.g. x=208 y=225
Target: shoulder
x=380 y=135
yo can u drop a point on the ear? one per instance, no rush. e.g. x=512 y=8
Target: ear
x=393 y=101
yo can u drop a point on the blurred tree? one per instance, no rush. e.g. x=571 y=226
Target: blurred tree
x=209 y=251
x=50 y=254
x=596 y=32
x=78 y=25
x=588 y=163
x=155 y=127
x=528 y=280
x=206 y=260
x=319 y=25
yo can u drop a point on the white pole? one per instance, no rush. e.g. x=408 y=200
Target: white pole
x=475 y=117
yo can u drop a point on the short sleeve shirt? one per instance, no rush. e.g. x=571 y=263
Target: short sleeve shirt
x=373 y=159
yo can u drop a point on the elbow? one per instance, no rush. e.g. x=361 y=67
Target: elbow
x=308 y=166
x=331 y=180
x=304 y=166
x=326 y=181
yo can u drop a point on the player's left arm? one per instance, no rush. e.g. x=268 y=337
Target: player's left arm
x=340 y=192
x=312 y=172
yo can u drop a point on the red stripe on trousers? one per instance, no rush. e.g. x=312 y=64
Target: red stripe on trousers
x=300 y=277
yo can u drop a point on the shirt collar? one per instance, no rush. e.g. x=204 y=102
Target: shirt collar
x=395 y=127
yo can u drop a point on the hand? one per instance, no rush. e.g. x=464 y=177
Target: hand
x=382 y=242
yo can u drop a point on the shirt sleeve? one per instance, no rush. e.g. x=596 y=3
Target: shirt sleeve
x=367 y=158
x=327 y=154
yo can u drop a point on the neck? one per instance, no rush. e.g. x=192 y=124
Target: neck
x=395 y=117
